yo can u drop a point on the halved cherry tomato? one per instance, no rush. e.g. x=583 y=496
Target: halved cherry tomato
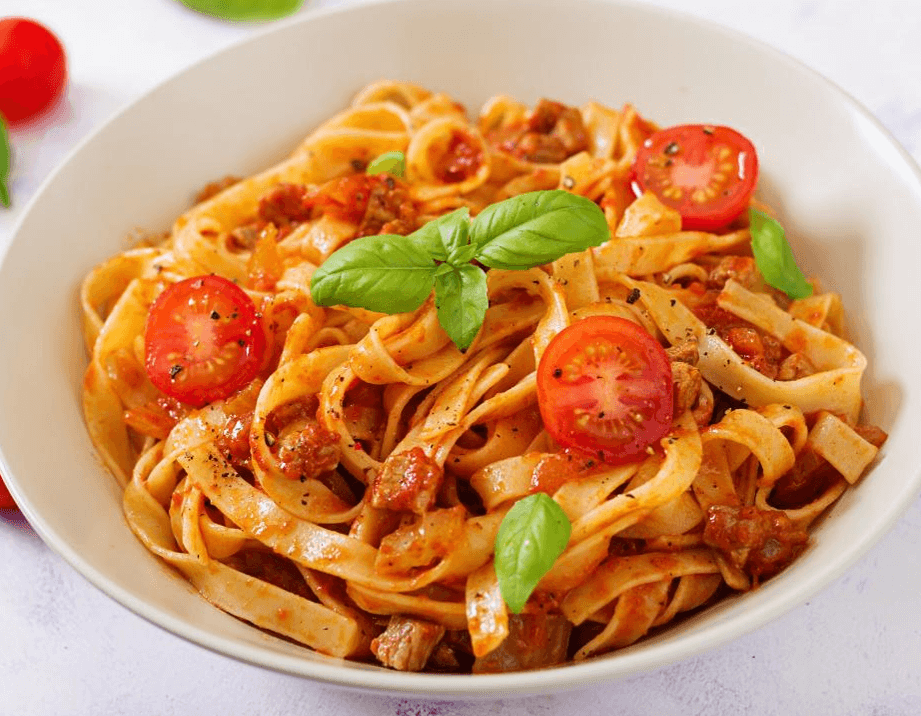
x=204 y=340
x=33 y=69
x=604 y=386
x=6 y=499
x=707 y=173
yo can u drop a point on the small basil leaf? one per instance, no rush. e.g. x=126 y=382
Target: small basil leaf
x=443 y=235
x=386 y=273
x=774 y=257
x=461 y=255
x=390 y=162
x=5 y=161
x=531 y=537
x=536 y=228
x=461 y=298
x=244 y=10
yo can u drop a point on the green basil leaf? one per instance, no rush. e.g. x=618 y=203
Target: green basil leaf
x=774 y=257
x=441 y=236
x=6 y=153
x=531 y=537
x=390 y=162
x=461 y=299
x=536 y=228
x=386 y=273
x=461 y=255
x=244 y=9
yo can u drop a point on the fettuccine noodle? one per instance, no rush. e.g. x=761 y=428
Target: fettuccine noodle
x=324 y=551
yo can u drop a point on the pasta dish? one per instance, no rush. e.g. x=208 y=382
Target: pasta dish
x=476 y=394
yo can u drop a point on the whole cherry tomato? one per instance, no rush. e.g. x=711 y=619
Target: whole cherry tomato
x=6 y=499
x=33 y=69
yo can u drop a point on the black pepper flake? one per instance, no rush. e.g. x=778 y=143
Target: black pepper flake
x=672 y=302
x=215 y=315
x=390 y=182
x=671 y=148
x=634 y=296
x=708 y=130
x=241 y=343
x=174 y=370
x=269 y=439
x=358 y=165
x=557 y=372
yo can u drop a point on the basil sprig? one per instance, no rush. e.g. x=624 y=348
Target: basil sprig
x=390 y=162
x=5 y=155
x=774 y=257
x=394 y=274
x=531 y=537
x=244 y=10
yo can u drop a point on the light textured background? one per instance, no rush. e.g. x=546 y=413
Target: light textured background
x=65 y=647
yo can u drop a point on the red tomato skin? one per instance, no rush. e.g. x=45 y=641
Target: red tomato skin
x=686 y=151
x=33 y=69
x=171 y=341
x=636 y=381
x=6 y=499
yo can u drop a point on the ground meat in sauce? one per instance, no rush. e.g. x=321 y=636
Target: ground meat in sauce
x=460 y=161
x=534 y=641
x=389 y=210
x=407 y=643
x=553 y=133
x=811 y=474
x=760 y=350
x=760 y=542
x=408 y=481
x=307 y=449
x=285 y=204
x=558 y=468
x=309 y=452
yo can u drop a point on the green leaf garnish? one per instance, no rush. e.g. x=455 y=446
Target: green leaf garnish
x=244 y=10
x=461 y=299
x=774 y=257
x=5 y=161
x=394 y=274
x=531 y=537
x=386 y=273
x=390 y=162
x=444 y=235
x=536 y=228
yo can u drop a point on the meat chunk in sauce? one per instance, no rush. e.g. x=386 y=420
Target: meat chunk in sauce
x=534 y=641
x=553 y=133
x=760 y=542
x=407 y=643
x=811 y=474
x=303 y=448
x=408 y=481
x=389 y=210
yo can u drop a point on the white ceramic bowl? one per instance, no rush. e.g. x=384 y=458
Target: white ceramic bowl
x=847 y=193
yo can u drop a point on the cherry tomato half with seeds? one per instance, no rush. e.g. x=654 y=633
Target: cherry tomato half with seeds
x=203 y=340
x=604 y=386
x=706 y=172
x=33 y=69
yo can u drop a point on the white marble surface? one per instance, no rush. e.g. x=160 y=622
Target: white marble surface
x=67 y=648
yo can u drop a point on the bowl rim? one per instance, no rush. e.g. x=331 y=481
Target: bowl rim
x=629 y=661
